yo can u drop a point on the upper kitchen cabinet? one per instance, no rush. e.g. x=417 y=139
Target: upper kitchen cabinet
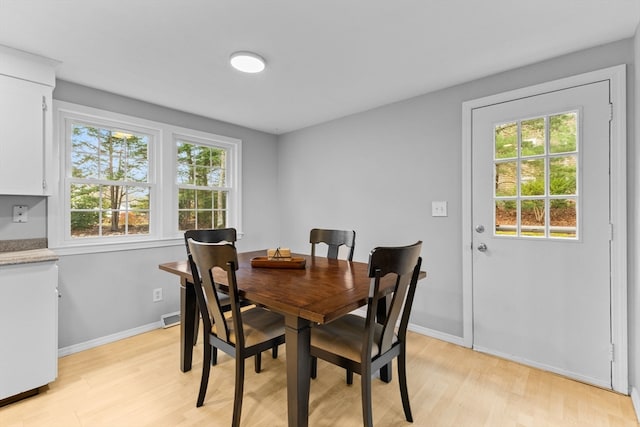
x=26 y=88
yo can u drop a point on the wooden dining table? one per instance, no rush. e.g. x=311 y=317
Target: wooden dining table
x=324 y=290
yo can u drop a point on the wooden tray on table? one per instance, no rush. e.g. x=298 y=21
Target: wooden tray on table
x=266 y=262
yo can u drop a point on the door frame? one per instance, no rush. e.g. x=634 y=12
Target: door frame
x=618 y=206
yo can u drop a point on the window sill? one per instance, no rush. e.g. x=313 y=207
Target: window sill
x=93 y=247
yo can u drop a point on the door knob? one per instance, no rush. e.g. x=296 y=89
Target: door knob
x=480 y=228
x=482 y=247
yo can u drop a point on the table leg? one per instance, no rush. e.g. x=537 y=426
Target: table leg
x=383 y=303
x=298 y=343
x=187 y=323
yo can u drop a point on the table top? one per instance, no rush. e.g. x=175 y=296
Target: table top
x=321 y=292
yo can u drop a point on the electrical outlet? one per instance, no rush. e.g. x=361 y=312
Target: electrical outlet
x=157 y=294
x=20 y=213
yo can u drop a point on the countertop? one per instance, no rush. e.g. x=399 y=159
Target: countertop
x=25 y=251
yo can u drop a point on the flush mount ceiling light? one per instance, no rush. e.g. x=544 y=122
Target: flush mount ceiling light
x=247 y=62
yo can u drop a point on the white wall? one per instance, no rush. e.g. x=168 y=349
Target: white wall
x=378 y=172
x=107 y=293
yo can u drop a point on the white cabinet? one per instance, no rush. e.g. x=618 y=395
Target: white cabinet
x=28 y=326
x=26 y=87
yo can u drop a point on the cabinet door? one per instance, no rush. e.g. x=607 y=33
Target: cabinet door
x=22 y=136
x=29 y=332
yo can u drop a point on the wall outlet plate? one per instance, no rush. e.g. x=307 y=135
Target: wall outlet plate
x=20 y=213
x=439 y=208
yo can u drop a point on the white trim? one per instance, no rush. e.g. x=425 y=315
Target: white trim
x=635 y=399
x=617 y=78
x=544 y=367
x=76 y=348
x=453 y=339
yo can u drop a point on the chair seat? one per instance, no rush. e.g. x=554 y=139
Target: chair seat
x=344 y=335
x=259 y=325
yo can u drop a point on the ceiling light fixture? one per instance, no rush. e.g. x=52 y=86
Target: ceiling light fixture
x=247 y=62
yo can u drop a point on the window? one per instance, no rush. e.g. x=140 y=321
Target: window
x=536 y=177
x=126 y=182
x=202 y=186
x=109 y=187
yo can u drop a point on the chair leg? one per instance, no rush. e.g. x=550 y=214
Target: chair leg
x=237 y=398
x=314 y=367
x=214 y=355
x=204 y=381
x=349 y=376
x=196 y=325
x=258 y=363
x=402 y=379
x=274 y=352
x=367 y=414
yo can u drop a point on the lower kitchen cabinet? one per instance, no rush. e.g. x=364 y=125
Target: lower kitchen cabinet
x=28 y=326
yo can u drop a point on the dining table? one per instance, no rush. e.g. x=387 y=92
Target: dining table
x=321 y=291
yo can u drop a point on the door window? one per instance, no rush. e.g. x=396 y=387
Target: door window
x=536 y=177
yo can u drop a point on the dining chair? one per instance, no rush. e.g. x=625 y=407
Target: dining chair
x=210 y=235
x=333 y=239
x=363 y=345
x=242 y=335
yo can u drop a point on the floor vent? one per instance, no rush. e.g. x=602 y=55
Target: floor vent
x=170 y=319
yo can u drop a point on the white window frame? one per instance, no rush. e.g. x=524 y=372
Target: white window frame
x=163 y=217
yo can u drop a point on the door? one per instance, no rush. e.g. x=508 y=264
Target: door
x=541 y=231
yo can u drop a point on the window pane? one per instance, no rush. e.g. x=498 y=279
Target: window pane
x=563 y=133
x=186 y=220
x=562 y=175
x=505 y=179
x=506 y=140
x=112 y=223
x=112 y=196
x=204 y=199
x=186 y=174
x=532 y=178
x=532 y=215
x=84 y=152
x=137 y=158
x=204 y=219
x=85 y=196
x=563 y=218
x=138 y=198
x=533 y=137
x=186 y=199
x=138 y=222
x=85 y=224
x=506 y=217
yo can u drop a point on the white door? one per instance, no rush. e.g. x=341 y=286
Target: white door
x=541 y=238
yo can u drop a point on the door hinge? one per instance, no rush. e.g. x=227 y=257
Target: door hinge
x=44 y=103
x=611 y=352
x=610 y=112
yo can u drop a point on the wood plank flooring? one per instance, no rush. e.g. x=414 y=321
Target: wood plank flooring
x=137 y=382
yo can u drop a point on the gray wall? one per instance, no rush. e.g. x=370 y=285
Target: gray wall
x=379 y=171
x=110 y=292
x=36 y=225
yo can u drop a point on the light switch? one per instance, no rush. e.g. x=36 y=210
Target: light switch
x=20 y=213
x=439 y=208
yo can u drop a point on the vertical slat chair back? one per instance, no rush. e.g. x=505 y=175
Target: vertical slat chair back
x=203 y=258
x=333 y=239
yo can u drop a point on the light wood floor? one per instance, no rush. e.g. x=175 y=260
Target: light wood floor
x=137 y=382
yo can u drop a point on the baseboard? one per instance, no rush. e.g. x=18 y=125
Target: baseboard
x=65 y=351
x=635 y=399
x=436 y=334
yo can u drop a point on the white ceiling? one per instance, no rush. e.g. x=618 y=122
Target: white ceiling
x=325 y=58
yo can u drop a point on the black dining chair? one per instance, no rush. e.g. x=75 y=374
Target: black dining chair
x=333 y=239
x=246 y=333
x=210 y=235
x=363 y=345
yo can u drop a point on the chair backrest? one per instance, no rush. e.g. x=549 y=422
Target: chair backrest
x=404 y=264
x=204 y=257
x=211 y=235
x=334 y=239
